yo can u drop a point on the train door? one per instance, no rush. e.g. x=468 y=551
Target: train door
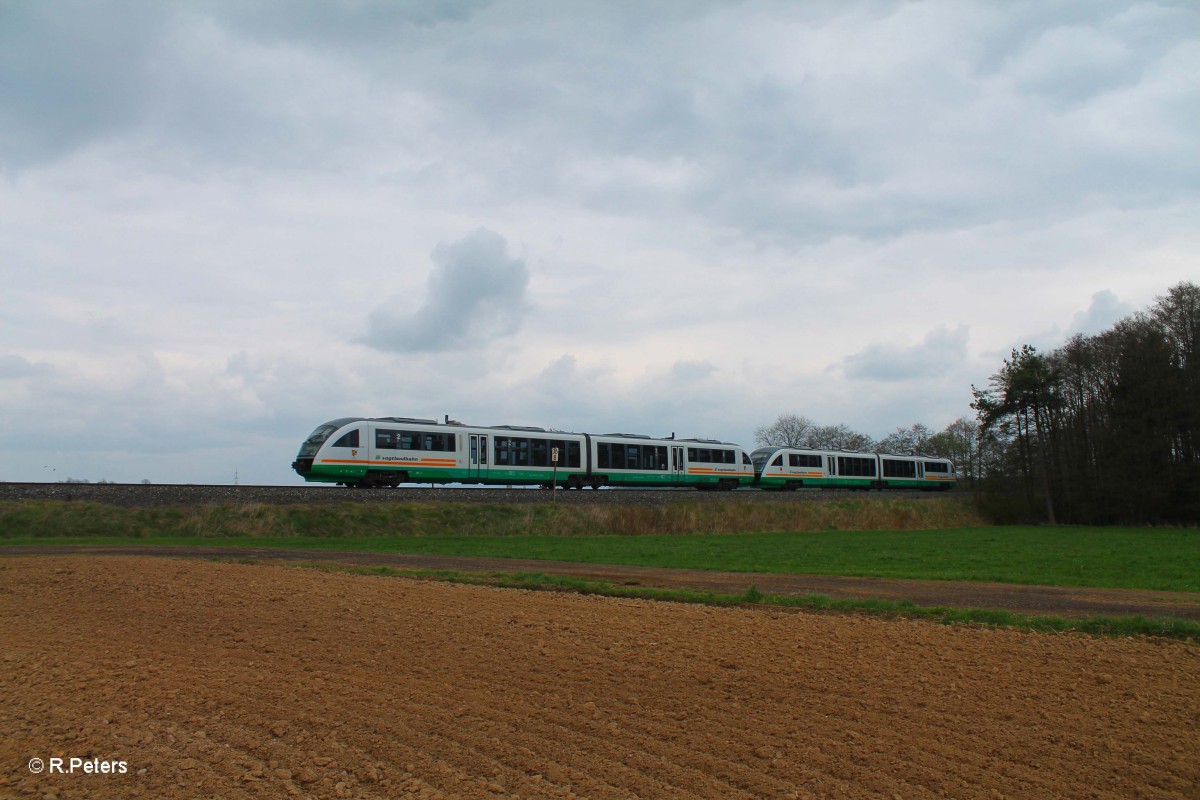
x=678 y=465
x=478 y=466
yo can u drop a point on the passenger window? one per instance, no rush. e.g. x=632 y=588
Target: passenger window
x=618 y=456
x=349 y=439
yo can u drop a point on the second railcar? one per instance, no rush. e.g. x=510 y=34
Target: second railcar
x=793 y=468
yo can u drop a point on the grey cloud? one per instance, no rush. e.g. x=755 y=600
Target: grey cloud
x=363 y=23
x=476 y=295
x=14 y=367
x=71 y=72
x=692 y=371
x=864 y=120
x=938 y=352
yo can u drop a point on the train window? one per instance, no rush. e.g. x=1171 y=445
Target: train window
x=437 y=442
x=603 y=455
x=777 y=461
x=573 y=455
x=934 y=466
x=804 y=460
x=896 y=468
x=745 y=459
x=856 y=467
x=514 y=452
x=618 y=456
x=349 y=439
x=414 y=440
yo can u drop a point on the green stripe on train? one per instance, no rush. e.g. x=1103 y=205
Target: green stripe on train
x=341 y=473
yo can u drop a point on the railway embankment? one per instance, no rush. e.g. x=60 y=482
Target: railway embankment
x=182 y=512
x=179 y=494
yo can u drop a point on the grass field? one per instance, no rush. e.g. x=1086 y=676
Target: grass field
x=1128 y=558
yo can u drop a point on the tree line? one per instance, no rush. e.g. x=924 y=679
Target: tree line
x=1102 y=430
x=1106 y=428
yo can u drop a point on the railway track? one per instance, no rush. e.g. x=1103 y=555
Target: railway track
x=167 y=494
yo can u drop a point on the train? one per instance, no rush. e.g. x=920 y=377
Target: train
x=370 y=452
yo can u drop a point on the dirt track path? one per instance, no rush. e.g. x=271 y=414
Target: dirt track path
x=248 y=681
x=1035 y=600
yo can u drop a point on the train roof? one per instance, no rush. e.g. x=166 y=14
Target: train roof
x=777 y=447
x=526 y=428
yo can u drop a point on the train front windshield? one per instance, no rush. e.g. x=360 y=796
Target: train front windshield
x=759 y=458
x=318 y=437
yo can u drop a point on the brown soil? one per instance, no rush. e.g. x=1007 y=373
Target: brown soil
x=1033 y=600
x=235 y=681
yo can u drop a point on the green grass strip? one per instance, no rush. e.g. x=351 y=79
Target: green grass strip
x=1111 y=558
x=1167 y=627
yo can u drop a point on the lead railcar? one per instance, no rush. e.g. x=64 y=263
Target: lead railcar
x=389 y=451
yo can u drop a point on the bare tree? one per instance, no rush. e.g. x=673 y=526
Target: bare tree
x=788 y=430
x=906 y=441
x=793 y=430
x=839 y=437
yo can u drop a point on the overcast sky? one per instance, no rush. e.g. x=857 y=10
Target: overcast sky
x=223 y=223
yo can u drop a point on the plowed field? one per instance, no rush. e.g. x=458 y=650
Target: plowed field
x=232 y=681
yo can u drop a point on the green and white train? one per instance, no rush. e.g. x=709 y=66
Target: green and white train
x=792 y=468
x=389 y=451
